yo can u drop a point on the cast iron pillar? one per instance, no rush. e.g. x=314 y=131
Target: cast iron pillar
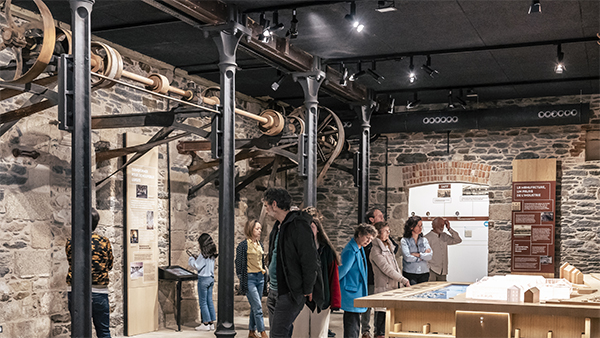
x=81 y=164
x=364 y=156
x=310 y=82
x=227 y=38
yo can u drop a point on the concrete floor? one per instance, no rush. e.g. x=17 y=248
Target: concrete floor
x=241 y=326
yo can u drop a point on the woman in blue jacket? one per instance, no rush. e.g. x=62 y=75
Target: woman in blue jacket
x=353 y=277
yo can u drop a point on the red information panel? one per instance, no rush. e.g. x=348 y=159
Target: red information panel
x=533 y=226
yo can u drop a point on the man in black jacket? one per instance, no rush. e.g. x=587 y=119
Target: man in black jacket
x=293 y=262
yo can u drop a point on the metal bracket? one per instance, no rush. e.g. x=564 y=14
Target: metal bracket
x=303 y=155
x=65 y=92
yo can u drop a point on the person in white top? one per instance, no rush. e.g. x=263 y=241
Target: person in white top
x=439 y=241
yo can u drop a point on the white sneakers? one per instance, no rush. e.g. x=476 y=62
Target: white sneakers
x=205 y=327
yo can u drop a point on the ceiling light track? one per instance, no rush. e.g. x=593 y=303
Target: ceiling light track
x=487 y=85
x=291 y=6
x=400 y=56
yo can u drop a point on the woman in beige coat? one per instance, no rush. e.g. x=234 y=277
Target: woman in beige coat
x=387 y=274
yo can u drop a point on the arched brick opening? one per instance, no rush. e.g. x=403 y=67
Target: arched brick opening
x=452 y=171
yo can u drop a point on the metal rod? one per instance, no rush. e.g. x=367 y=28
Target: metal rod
x=207 y=100
x=81 y=164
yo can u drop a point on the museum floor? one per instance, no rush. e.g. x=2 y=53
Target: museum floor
x=241 y=325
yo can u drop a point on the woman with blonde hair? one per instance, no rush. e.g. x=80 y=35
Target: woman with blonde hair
x=250 y=268
x=313 y=320
x=386 y=273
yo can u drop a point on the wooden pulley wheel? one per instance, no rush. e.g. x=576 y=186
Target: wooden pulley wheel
x=330 y=136
x=31 y=44
x=106 y=61
x=275 y=123
x=160 y=83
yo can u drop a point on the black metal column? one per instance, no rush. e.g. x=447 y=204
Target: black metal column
x=81 y=164
x=311 y=82
x=364 y=158
x=227 y=38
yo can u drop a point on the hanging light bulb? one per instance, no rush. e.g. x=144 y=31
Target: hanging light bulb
x=560 y=67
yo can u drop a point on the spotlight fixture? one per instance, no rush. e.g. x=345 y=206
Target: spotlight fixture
x=450 y=102
x=471 y=93
x=275 y=85
x=352 y=18
x=277 y=26
x=293 y=31
x=427 y=68
x=412 y=77
x=535 y=7
x=385 y=6
x=344 y=78
x=560 y=67
x=376 y=76
x=414 y=103
x=265 y=36
x=358 y=73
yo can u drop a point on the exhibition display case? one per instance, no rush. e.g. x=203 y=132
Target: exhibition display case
x=442 y=309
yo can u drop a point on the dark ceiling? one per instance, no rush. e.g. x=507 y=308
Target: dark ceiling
x=492 y=48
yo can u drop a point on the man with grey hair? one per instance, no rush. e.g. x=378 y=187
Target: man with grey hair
x=439 y=241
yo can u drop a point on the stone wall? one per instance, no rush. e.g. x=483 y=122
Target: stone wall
x=409 y=157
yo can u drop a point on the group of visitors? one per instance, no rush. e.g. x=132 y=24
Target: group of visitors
x=306 y=277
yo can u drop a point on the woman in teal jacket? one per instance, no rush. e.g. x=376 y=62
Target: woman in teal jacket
x=353 y=278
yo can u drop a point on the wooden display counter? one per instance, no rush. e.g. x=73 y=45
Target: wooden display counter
x=407 y=315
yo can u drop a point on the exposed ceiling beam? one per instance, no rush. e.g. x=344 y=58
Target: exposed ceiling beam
x=278 y=51
x=135 y=26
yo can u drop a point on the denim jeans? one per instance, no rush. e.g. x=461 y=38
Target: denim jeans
x=286 y=311
x=256 y=283
x=379 y=323
x=351 y=324
x=205 y=291
x=100 y=313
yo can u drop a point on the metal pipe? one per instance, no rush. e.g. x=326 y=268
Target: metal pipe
x=81 y=165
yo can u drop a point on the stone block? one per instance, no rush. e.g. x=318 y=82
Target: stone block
x=395 y=177
x=11 y=311
x=32 y=263
x=33 y=328
x=41 y=235
x=500 y=178
x=500 y=212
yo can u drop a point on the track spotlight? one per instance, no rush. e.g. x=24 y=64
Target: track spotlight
x=412 y=77
x=385 y=6
x=414 y=103
x=560 y=67
x=472 y=94
x=450 y=102
x=293 y=31
x=344 y=78
x=427 y=67
x=376 y=76
x=275 y=85
x=535 y=7
x=352 y=18
x=265 y=36
x=277 y=26
x=358 y=73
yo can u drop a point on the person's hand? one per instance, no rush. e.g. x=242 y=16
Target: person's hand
x=309 y=296
x=427 y=250
x=406 y=283
x=190 y=253
x=447 y=224
x=416 y=254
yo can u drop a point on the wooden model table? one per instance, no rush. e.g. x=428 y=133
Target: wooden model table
x=458 y=317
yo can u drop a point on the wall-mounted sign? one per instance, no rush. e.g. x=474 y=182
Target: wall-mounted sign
x=533 y=216
x=141 y=240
